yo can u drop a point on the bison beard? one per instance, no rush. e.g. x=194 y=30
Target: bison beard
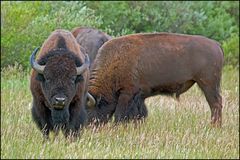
x=60 y=117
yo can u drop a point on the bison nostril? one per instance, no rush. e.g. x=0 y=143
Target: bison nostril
x=60 y=100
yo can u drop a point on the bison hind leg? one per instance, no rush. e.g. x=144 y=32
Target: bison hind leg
x=214 y=99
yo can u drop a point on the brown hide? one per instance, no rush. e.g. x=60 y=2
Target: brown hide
x=40 y=110
x=90 y=40
x=143 y=65
x=51 y=43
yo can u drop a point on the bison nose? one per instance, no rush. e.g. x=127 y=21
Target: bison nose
x=60 y=100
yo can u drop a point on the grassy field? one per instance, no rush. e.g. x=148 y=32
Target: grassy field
x=172 y=130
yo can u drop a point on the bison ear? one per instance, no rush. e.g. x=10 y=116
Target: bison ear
x=40 y=77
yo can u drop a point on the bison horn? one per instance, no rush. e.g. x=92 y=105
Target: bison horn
x=91 y=102
x=81 y=69
x=34 y=64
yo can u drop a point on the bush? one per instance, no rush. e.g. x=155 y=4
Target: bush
x=231 y=50
x=210 y=19
x=27 y=24
x=15 y=16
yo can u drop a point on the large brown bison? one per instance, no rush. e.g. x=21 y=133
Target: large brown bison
x=90 y=40
x=59 y=83
x=131 y=68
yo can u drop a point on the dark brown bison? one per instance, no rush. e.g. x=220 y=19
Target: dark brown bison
x=131 y=68
x=90 y=40
x=59 y=83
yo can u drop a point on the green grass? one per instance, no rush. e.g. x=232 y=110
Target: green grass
x=172 y=130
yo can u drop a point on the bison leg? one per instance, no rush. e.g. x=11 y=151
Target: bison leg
x=130 y=107
x=121 y=108
x=71 y=133
x=78 y=118
x=42 y=120
x=212 y=93
x=138 y=101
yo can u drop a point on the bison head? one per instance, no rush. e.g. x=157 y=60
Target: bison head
x=99 y=110
x=59 y=72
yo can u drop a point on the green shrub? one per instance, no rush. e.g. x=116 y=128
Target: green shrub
x=27 y=24
x=210 y=19
x=15 y=17
x=231 y=50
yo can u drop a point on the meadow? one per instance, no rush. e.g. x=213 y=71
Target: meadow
x=172 y=129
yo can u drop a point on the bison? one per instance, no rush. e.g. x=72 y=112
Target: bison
x=59 y=81
x=130 y=68
x=90 y=40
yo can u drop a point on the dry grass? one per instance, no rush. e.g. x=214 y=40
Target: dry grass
x=172 y=130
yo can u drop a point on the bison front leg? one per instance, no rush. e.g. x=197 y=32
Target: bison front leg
x=42 y=119
x=122 y=107
x=78 y=117
x=130 y=107
x=142 y=109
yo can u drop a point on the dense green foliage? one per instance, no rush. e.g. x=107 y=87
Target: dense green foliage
x=210 y=19
x=26 y=25
x=231 y=49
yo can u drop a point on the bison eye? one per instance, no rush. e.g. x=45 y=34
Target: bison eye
x=73 y=79
x=47 y=80
x=40 y=77
x=79 y=78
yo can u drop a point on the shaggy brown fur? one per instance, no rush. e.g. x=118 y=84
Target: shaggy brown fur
x=90 y=40
x=131 y=68
x=61 y=54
